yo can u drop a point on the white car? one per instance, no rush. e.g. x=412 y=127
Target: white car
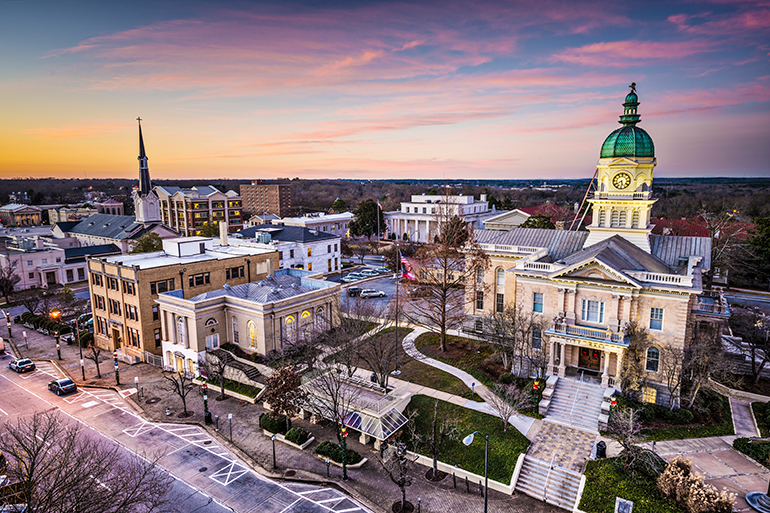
x=372 y=293
x=370 y=272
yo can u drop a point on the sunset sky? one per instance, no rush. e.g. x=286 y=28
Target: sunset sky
x=508 y=90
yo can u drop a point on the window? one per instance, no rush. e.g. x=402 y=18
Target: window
x=180 y=332
x=653 y=359
x=114 y=306
x=593 y=311
x=96 y=279
x=480 y=275
x=157 y=337
x=329 y=265
x=131 y=312
x=212 y=341
x=31 y=276
x=309 y=252
x=328 y=248
x=70 y=275
x=30 y=264
x=499 y=303
x=479 y=300
x=155 y=313
x=335 y=248
x=45 y=261
x=537 y=338
x=291 y=253
x=133 y=337
x=280 y=256
x=128 y=288
x=234 y=272
x=101 y=325
x=235 y=329
x=252 y=334
x=309 y=266
x=58 y=260
x=99 y=302
x=81 y=274
x=159 y=287
x=479 y=325
x=656 y=318
x=500 y=281
x=602 y=216
x=196 y=280
x=537 y=302
x=112 y=283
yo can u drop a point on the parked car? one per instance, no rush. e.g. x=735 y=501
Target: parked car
x=372 y=293
x=354 y=291
x=22 y=365
x=348 y=279
x=370 y=272
x=382 y=270
x=62 y=386
x=356 y=275
x=419 y=292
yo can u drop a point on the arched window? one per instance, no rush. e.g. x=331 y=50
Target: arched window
x=181 y=339
x=653 y=359
x=252 y=334
x=235 y=329
x=289 y=324
x=211 y=322
x=500 y=280
x=320 y=318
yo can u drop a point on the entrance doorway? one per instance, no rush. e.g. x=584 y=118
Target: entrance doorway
x=589 y=358
x=50 y=278
x=116 y=338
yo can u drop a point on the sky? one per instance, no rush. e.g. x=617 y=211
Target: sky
x=377 y=90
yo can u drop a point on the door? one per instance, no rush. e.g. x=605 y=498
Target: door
x=589 y=358
x=116 y=338
x=50 y=278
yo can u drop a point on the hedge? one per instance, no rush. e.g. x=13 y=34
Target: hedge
x=273 y=423
x=297 y=435
x=334 y=452
x=757 y=451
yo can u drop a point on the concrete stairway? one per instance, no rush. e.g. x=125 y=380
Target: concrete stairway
x=576 y=404
x=554 y=485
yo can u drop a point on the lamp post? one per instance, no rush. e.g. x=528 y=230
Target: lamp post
x=117 y=372
x=26 y=343
x=55 y=314
x=272 y=438
x=344 y=433
x=80 y=348
x=8 y=323
x=469 y=440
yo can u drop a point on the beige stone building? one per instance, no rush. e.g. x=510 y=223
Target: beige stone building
x=124 y=288
x=261 y=316
x=585 y=287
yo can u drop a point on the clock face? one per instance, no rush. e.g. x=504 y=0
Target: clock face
x=621 y=180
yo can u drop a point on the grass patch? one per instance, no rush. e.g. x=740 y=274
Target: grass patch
x=463 y=353
x=762 y=414
x=235 y=386
x=606 y=479
x=504 y=448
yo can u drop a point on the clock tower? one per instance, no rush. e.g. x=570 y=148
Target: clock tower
x=623 y=199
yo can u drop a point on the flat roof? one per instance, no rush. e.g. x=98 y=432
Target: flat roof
x=161 y=258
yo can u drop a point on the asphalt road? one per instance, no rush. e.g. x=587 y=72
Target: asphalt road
x=208 y=477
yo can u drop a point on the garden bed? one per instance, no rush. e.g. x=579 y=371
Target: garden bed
x=474 y=357
x=606 y=480
x=233 y=389
x=762 y=415
x=504 y=448
x=282 y=438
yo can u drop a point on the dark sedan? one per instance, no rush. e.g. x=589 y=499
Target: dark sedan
x=22 y=365
x=62 y=386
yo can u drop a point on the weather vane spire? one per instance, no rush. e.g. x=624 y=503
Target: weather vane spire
x=633 y=86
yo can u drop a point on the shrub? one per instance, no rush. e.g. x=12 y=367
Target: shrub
x=86 y=338
x=759 y=452
x=334 y=452
x=506 y=378
x=679 y=484
x=297 y=435
x=274 y=423
x=679 y=416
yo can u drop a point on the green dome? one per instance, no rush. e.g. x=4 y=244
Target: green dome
x=629 y=141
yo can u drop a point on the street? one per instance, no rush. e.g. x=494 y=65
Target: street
x=208 y=477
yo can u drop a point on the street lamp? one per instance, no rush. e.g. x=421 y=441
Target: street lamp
x=273 y=440
x=80 y=348
x=469 y=440
x=55 y=314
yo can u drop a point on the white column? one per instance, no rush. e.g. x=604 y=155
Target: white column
x=562 y=366
x=606 y=373
x=551 y=351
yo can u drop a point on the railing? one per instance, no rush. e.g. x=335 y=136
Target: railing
x=622 y=195
x=509 y=248
x=602 y=334
x=712 y=302
x=667 y=279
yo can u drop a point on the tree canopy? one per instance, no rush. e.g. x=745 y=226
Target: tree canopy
x=365 y=222
x=147 y=243
x=209 y=229
x=538 y=221
x=339 y=205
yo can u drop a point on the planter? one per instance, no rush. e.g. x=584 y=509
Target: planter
x=229 y=393
x=279 y=436
x=357 y=465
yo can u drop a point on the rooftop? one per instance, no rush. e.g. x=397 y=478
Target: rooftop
x=161 y=258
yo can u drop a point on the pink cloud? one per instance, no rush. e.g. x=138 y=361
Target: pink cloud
x=755 y=18
x=624 y=54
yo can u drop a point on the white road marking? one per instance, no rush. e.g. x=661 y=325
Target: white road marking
x=90 y=403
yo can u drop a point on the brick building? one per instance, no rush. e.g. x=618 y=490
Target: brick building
x=260 y=198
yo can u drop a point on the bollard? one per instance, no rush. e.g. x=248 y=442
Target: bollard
x=141 y=392
x=467 y=485
x=481 y=490
x=454 y=480
x=168 y=411
x=327 y=467
x=419 y=502
x=216 y=420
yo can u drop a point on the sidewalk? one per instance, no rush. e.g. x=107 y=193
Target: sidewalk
x=369 y=484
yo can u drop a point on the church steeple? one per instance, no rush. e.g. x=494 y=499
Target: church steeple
x=144 y=172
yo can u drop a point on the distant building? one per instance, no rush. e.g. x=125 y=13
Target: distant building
x=65 y=214
x=185 y=210
x=560 y=216
x=122 y=231
x=124 y=288
x=20 y=197
x=16 y=214
x=263 y=198
x=417 y=220
x=335 y=224
x=110 y=206
x=298 y=247
x=259 y=219
x=265 y=315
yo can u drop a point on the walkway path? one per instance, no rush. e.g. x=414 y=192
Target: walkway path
x=743 y=418
x=520 y=422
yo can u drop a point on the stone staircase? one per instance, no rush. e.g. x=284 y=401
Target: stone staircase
x=576 y=404
x=544 y=481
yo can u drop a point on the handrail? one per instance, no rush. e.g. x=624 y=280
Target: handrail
x=574 y=401
x=548 y=477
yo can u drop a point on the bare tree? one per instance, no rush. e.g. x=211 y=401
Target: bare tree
x=92 y=351
x=181 y=384
x=625 y=427
x=705 y=359
x=671 y=367
x=8 y=278
x=506 y=400
x=56 y=468
x=379 y=351
x=634 y=374
x=753 y=327
x=31 y=299
x=283 y=392
x=355 y=316
x=442 y=429
x=727 y=237
x=214 y=364
x=446 y=267
x=397 y=463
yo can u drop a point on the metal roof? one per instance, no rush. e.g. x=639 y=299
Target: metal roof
x=560 y=243
x=107 y=226
x=669 y=248
x=619 y=254
x=285 y=233
x=285 y=283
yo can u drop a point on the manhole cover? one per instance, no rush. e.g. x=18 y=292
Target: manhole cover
x=290 y=473
x=203 y=469
x=153 y=400
x=207 y=442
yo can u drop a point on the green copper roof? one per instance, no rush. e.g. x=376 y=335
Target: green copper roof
x=629 y=141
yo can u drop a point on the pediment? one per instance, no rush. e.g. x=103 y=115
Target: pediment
x=623 y=162
x=596 y=270
x=513 y=217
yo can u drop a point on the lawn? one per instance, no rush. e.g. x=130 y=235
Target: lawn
x=605 y=480
x=762 y=415
x=463 y=353
x=233 y=386
x=504 y=448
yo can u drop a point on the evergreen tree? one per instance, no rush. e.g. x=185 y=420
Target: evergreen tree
x=367 y=214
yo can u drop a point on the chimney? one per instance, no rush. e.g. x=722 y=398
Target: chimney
x=483 y=197
x=270 y=267
x=222 y=233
